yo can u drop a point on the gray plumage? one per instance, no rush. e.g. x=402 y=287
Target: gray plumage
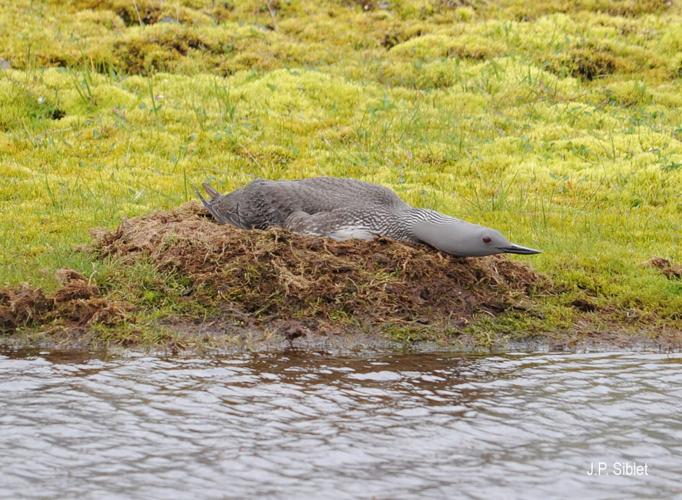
x=350 y=209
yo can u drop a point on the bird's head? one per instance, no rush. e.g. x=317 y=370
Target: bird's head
x=464 y=239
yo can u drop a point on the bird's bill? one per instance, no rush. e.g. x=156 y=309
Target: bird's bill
x=520 y=250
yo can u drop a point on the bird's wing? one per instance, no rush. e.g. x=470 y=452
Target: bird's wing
x=346 y=192
x=265 y=203
x=340 y=224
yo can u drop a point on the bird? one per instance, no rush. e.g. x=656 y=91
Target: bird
x=344 y=208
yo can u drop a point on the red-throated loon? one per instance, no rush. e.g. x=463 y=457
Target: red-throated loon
x=343 y=209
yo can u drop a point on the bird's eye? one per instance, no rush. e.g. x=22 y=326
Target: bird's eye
x=487 y=239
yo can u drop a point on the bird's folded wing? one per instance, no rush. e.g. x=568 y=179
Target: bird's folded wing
x=339 y=224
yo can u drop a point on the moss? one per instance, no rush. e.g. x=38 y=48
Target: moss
x=434 y=46
x=144 y=12
x=627 y=8
x=158 y=49
x=409 y=334
x=400 y=33
x=590 y=63
x=25 y=108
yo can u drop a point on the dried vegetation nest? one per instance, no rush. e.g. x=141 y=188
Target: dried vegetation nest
x=278 y=275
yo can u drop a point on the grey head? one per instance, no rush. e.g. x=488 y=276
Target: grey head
x=463 y=239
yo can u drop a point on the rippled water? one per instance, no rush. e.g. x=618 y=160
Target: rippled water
x=310 y=425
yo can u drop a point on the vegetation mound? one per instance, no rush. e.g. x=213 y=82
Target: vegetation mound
x=276 y=275
x=76 y=305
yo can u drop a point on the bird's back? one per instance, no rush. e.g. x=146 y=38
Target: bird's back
x=265 y=203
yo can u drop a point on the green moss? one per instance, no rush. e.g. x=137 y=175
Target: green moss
x=408 y=334
x=25 y=109
x=627 y=8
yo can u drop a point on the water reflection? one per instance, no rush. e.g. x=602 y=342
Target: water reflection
x=302 y=424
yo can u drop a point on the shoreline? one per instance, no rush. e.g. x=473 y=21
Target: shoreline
x=201 y=344
x=176 y=281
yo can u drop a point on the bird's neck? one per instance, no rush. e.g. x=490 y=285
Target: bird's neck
x=438 y=230
x=417 y=217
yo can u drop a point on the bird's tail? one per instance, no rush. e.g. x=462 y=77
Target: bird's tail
x=209 y=189
x=210 y=205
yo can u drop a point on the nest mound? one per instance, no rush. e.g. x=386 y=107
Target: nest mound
x=278 y=275
x=76 y=305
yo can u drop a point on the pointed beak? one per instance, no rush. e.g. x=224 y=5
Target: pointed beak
x=519 y=249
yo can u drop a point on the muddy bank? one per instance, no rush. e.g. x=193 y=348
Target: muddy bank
x=264 y=289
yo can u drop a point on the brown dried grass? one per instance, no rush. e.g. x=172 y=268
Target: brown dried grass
x=77 y=304
x=278 y=275
x=666 y=268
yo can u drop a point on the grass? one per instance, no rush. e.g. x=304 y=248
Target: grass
x=556 y=122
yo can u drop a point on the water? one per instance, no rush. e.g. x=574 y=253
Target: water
x=310 y=425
